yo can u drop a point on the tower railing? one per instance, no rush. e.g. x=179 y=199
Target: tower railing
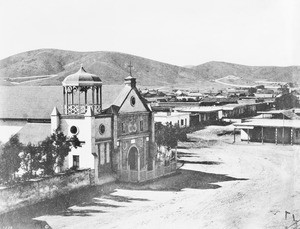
x=76 y=109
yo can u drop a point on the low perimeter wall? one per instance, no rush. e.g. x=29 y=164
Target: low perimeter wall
x=32 y=192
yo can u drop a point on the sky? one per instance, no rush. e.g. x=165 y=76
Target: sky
x=187 y=32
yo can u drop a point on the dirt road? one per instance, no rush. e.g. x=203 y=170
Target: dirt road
x=221 y=186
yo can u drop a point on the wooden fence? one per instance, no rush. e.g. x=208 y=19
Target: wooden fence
x=144 y=175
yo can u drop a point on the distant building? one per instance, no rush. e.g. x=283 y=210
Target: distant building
x=278 y=131
x=214 y=101
x=182 y=119
x=239 y=110
x=243 y=110
x=281 y=114
x=202 y=115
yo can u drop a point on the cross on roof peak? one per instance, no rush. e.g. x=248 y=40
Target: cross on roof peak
x=130 y=67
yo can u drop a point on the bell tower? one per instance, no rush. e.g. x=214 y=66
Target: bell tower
x=81 y=91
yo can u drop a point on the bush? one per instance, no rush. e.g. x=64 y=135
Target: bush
x=9 y=159
x=169 y=135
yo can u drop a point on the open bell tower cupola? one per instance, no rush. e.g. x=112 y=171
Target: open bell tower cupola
x=81 y=91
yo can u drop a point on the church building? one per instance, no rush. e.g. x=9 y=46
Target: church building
x=118 y=139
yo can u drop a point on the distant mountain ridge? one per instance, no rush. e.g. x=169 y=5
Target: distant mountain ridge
x=112 y=67
x=272 y=73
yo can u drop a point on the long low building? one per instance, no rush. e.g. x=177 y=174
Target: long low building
x=279 y=114
x=203 y=114
x=181 y=119
x=279 y=131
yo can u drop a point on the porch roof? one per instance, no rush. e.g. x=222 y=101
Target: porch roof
x=269 y=123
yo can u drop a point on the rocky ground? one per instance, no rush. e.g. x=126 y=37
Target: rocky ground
x=220 y=185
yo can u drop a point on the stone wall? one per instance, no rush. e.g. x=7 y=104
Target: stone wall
x=32 y=192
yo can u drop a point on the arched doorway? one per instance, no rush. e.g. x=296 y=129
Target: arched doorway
x=132 y=158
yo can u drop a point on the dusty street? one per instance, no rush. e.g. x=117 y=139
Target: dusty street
x=222 y=185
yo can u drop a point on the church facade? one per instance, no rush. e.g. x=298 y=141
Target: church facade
x=118 y=139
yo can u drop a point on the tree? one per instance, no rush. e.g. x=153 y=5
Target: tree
x=30 y=161
x=285 y=89
x=54 y=149
x=252 y=90
x=286 y=101
x=9 y=159
x=169 y=135
x=46 y=156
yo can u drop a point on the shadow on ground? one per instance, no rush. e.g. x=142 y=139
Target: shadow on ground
x=200 y=162
x=88 y=198
x=184 y=179
x=84 y=199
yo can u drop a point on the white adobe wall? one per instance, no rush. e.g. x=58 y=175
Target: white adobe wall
x=244 y=135
x=106 y=121
x=173 y=117
x=126 y=107
x=86 y=133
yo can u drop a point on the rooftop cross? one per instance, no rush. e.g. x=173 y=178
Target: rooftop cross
x=130 y=66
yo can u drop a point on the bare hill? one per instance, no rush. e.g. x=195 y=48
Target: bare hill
x=112 y=67
x=214 y=69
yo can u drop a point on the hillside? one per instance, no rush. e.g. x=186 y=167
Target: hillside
x=52 y=66
x=110 y=66
x=213 y=70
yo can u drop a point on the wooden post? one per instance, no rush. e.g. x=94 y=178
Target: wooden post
x=85 y=96
x=233 y=135
x=282 y=129
x=97 y=95
x=276 y=135
x=64 y=94
x=282 y=135
x=262 y=135
x=79 y=110
x=72 y=98
x=67 y=100
x=93 y=98
x=100 y=98
x=292 y=135
x=248 y=136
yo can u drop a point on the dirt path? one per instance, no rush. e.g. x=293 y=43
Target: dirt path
x=224 y=186
x=230 y=84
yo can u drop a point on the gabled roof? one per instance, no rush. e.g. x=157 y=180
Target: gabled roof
x=124 y=94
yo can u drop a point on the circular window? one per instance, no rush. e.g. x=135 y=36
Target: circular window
x=74 y=130
x=132 y=101
x=101 y=129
